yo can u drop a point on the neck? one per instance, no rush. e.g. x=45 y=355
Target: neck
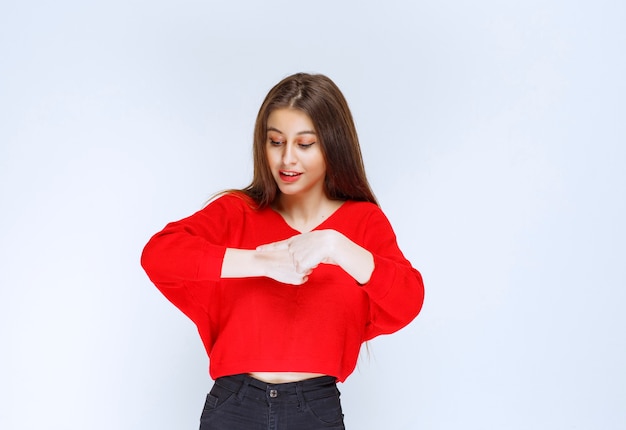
x=304 y=214
x=301 y=208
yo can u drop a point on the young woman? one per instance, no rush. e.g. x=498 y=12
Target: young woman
x=288 y=277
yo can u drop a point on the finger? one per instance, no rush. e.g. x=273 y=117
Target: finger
x=304 y=269
x=302 y=280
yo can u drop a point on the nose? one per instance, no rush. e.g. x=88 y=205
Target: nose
x=289 y=154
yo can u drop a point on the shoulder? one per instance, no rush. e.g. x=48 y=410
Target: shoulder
x=234 y=201
x=361 y=209
x=364 y=223
x=360 y=213
x=226 y=208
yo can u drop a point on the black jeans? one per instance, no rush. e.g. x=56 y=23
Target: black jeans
x=241 y=402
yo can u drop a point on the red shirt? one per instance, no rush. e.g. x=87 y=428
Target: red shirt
x=262 y=325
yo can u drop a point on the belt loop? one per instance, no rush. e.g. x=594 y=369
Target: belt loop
x=300 y=395
x=243 y=388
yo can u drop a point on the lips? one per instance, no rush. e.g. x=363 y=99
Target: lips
x=289 y=175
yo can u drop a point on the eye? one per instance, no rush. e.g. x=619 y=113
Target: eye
x=274 y=142
x=306 y=145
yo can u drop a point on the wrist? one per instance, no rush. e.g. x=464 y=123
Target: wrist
x=243 y=263
x=260 y=262
x=335 y=242
x=353 y=258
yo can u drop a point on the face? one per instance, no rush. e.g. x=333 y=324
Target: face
x=293 y=153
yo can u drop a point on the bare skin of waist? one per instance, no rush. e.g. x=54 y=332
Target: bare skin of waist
x=283 y=377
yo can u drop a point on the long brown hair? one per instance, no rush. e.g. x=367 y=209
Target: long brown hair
x=318 y=97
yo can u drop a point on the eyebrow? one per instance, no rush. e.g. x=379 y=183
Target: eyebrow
x=297 y=134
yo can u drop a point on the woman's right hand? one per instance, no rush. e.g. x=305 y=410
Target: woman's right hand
x=280 y=266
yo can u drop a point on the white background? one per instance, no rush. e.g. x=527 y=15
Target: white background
x=494 y=135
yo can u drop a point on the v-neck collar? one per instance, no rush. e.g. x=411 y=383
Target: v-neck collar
x=317 y=227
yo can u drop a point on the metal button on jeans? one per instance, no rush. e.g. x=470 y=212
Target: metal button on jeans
x=273 y=393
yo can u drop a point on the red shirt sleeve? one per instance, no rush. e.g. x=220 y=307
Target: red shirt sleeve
x=184 y=260
x=395 y=289
x=193 y=248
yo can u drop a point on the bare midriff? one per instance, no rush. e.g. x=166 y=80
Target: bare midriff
x=283 y=377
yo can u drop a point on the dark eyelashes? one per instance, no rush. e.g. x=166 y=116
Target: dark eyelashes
x=301 y=145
